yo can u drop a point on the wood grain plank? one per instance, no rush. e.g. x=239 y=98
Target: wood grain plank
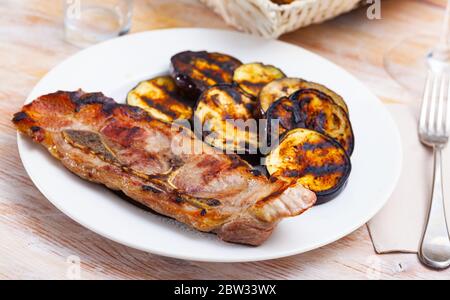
x=36 y=239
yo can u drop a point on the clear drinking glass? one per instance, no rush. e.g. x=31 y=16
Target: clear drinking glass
x=90 y=21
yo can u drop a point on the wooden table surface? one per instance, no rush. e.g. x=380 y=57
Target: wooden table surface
x=37 y=241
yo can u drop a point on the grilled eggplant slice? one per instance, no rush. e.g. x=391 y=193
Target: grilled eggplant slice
x=194 y=72
x=216 y=110
x=159 y=97
x=252 y=77
x=287 y=113
x=277 y=89
x=319 y=112
x=317 y=161
x=287 y=86
x=323 y=89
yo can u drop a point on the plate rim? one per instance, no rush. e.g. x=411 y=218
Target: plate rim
x=279 y=254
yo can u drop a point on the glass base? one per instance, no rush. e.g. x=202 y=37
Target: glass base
x=93 y=25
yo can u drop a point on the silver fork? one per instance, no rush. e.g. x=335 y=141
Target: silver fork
x=434 y=127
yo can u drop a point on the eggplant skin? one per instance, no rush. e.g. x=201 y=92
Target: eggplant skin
x=160 y=98
x=318 y=162
x=194 y=72
x=320 y=113
x=216 y=107
x=252 y=77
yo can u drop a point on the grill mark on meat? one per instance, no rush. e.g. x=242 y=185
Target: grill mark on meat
x=81 y=99
x=213 y=202
x=212 y=168
x=207 y=161
x=177 y=197
x=198 y=202
x=124 y=136
x=20 y=116
x=35 y=128
x=236 y=161
x=149 y=188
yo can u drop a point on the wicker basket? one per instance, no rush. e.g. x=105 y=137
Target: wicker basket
x=265 y=18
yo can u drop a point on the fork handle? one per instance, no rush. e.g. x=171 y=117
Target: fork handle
x=435 y=247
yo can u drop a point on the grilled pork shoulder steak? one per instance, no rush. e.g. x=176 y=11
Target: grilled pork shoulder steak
x=155 y=164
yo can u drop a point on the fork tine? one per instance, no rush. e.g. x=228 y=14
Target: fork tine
x=440 y=124
x=425 y=102
x=432 y=114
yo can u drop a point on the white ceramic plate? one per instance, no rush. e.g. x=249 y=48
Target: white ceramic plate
x=116 y=66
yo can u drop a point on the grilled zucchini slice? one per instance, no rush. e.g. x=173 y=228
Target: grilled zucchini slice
x=194 y=72
x=159 y=97
x=252 y=77
x=317 y=161
x=277 y=89
x=319 y=112
x=216 y=110
x=287 y=86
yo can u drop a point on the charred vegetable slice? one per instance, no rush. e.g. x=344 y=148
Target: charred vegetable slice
x=335 y=97
x=194 y=72
x=317 y=161
x=286 y=113
x=251 y=78
x=226 y=115
x=318 y=112
x=287 y=86
x=159 y=97
x=278 y=89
